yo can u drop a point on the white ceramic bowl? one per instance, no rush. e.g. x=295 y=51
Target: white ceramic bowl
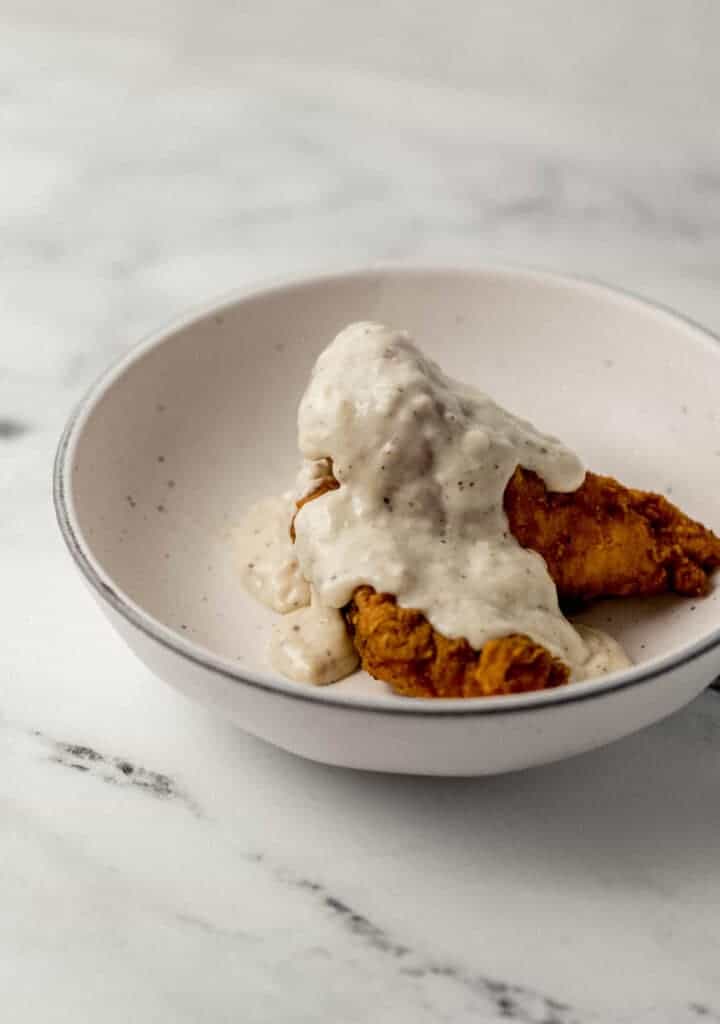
x=162 y=457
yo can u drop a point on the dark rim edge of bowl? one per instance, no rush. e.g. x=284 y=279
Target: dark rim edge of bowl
x=146 y=624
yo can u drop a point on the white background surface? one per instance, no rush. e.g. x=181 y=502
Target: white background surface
x=152 y=156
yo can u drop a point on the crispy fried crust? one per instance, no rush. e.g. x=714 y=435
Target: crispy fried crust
x=400 y=646
x=606 y=540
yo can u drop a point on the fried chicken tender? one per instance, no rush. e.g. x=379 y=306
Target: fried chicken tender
x=607 y=540
x=602 y=540
x=399 y=646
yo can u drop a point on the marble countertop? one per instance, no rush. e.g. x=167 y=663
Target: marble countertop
x=157 y=865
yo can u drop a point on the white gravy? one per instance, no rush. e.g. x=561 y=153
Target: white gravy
x=313 y=645
x=422 y=461
x=268 y=563
x=604 y=654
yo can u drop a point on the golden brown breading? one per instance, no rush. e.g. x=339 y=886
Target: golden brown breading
x=400 y=646
x=607 y=540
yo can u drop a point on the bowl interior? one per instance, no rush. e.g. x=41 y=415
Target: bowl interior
x=201 y=422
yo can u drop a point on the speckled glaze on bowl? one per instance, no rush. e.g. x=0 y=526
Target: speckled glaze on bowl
x=157 y=465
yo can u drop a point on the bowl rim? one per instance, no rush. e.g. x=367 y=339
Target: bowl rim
x=205 y=658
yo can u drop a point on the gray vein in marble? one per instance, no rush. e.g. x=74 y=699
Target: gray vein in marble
x=10 y=428
x=116 y=771
x=506 y=1001
x=703 y=1011
x=213 y=929
x=487 y=995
